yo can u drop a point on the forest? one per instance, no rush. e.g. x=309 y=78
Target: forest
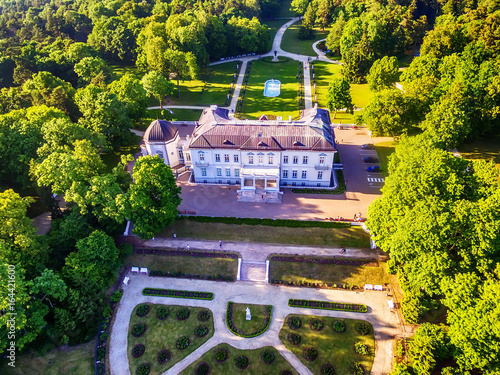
x=62 y=107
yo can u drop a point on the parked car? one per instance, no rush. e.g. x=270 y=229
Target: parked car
x=373 y=168
x=367 y=146
x=370 y=159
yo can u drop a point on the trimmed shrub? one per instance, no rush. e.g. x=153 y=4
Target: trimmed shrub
x=204 y=315
x=338 y=326
x=310 y=353
x=116 y=296
x=316 y=324
x=201 y=331
x=138 y=329
x=294 y=338
x=294 y=322
x=221 y=355
x=202 y=369
x=286 y=372
x=362 y=328
x=323 y=305
x=162 y=313
x=183 y=313
x=267 y=356
x=361 y=348
x=357 y=369
x=163 y=356
x=182 y=343
x=241 y=362
x=143 y=369
x=142 y=310
x=327 y=369
x=138 y=350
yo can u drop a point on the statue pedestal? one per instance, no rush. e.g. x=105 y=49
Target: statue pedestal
x=275 y=59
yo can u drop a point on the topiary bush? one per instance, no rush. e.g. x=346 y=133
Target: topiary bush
x=162 y=313
x=310 y=353
x=361 y=348
x=138 y=329
x=316 y=324
x=362 y=328
x=204 y=315
x=201 y=331
x=294 y=322
x=138 y=350
x=357 y=369
x=267 y=356
x=183 y=313
x=142 y=310
x=202 y=369
x=221 y=355
x=163 y=356
x=294 y=338
x=338 y=326
x=241 y=362
x=182 y=343
x=143 y=369
x=327 y=369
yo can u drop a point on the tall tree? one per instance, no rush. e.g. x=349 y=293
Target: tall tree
x=92 y=70
x=157 y=86
x=339 y=96
x=132 y=94
x=154 y=194
x=383 y=73
x=182 y=65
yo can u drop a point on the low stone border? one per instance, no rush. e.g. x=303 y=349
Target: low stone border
x=324 y=305
x=177 y=293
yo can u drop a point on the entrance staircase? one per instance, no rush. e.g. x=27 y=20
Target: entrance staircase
x=253 y=271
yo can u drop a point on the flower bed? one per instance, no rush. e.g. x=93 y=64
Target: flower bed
x=294 y=322
x=183 y=313
x=269 y=222
x=315 y=285
x=357 y=369
x=239 y=332
x=294 y=338
x=163 y=356
x=203 y=369
x=221 y=355
x=339 y=326
x=182 y=275
x=241 y=362
x=204 y=315
x=323 y=305
x=267 y=357
x=138 y=329
x=142 y=310
x=182 y=343
x=138 y=350
x=310 y=353
x=316 y=324
x=201 y=331
x=162 y=313
x=327 y=369
x=196 y=254
x=321 y=260
x=143 y=369
x=362 y=328
x=177 y=293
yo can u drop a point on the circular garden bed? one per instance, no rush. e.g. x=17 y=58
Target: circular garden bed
x=201 y=331
x=138 y=329
x=202 y=369
x=221 y=355
x=327 y=369
x=162 y=313
x=204 y=315
x=143 y=369
x=241 y=362
x=339 y=326
x=142 y=310
x=163 y=356
x=267 y=356
x=310 y=353
x=183 y=313
x=294 y=338
x=316 y=324
x=138 y=350
x=182 y=343
x=362 y=328
x=294 y=322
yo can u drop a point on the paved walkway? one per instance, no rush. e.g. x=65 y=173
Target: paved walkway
x=385 y=323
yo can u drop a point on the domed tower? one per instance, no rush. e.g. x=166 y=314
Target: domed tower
x=161 y=138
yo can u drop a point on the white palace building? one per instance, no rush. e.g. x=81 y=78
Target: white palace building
x=258 y=155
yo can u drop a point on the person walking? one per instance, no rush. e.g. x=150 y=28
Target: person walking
x=220 y=244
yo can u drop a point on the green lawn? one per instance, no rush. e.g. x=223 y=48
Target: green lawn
x=112 y=158
x=384 y=150
x=360 y=93
x=211 y=88
x=120 y=70
x=185 y=264
x=179 y=114
x=255 y=367
x=285 y=9
x=334 y=348
x=290 y=42
x=273 y=26
x=77 y=360
x=257 y=322
x=487 y=148
x=328 y=273
x=163 y=334
x=255 y=103
x=349 y=237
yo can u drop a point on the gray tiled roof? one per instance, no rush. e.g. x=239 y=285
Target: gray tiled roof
x=160 y=131
x=311 y=132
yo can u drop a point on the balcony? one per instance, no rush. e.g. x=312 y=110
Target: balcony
x=321 y=167
x=201 y=163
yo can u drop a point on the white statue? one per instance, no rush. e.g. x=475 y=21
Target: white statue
x=249 y=316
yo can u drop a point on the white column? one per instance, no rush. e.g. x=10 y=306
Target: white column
x=238 y=275
x=267 y=271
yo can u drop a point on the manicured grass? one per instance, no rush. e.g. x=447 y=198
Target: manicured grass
x=328 y=273
x=77 y=360
x=185 y=264
x=290 y=42
x=163 y=334
x=487 y=148
x=112 y=158
x=258 y=321
x=334 y=348
x=255 y=367
x=285 y=9
x=349 y=237
x=120 y=70
x=177 y=115
x=211 y=88
x=255 y=103
x=384 y=150
x=273 y=27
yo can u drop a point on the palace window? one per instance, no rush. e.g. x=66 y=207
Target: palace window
x=228 y=172
x=250 y=159
x=295 y=160
x=203 y=171
x=217 y=157
x=226 y=158
x=219 y=171
x=181 y=154
x=304 y=174
x=320 y=175
x=261 y=159
x=294 y=174
x=270 y=159
x=237 y=173
x=322 y=160
x=202 y=157
x=236 y=159
x=285 y=173
x=285 y=159
x=188 y=156
x=304 y=160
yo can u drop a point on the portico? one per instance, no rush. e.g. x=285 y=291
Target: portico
x=259 y=183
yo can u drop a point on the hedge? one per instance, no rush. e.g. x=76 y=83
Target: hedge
x=324 y=260
x=269 y=222
x=177 y=293
x=323 y=305
x=195 y=254
x=182 y=275
x=239 y=332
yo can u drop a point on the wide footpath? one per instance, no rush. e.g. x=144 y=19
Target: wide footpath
x=385 y=323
